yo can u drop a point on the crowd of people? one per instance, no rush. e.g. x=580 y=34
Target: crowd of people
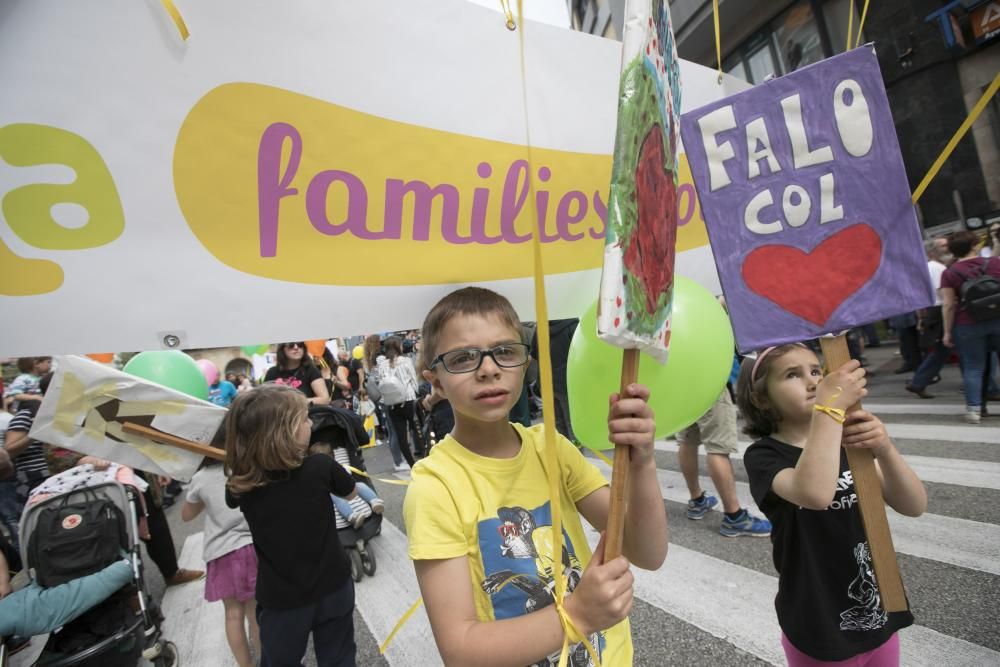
x=966 y=277
x=454 y=407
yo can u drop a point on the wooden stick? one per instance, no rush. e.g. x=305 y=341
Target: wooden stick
x=619 y=473
x=174 y=441
x=870 y=501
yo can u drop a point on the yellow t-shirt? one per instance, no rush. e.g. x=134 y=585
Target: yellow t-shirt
x=497 y=512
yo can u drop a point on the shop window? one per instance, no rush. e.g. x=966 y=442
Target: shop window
x=736 y=68
x=796 y=37
x=761 y=64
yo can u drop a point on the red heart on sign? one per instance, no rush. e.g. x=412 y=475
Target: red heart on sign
x=813 y=285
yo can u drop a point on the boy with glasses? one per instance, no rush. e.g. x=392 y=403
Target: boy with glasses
x=479 y=515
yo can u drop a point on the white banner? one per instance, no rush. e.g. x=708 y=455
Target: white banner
x=297 y=170
x=88 y=405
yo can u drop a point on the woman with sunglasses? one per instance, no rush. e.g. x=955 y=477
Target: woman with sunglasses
x=296 y=369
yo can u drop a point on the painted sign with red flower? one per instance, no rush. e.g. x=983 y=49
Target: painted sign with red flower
x=641 y=234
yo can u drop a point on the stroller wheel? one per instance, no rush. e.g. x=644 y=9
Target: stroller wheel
x=368 y=561
x=168 y=656
x=357 y=569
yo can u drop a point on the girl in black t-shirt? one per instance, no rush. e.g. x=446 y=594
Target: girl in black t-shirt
x=828 y=602
x=303 y=576
x=296 y=369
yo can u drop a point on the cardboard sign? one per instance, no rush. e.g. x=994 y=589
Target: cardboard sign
x=276 y=177
x=88 y=404
x=637 y=283
x=807 y=204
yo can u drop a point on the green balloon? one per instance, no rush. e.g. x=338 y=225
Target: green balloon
x=250 y=350
x=171 y=368
x=681 y=391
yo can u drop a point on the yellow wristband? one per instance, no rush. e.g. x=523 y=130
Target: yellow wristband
x=836 y=414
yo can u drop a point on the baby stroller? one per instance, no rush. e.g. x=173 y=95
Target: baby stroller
x=345 y=429
x=125 y=626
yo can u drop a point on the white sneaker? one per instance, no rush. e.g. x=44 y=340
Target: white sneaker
x=378 y=506
x=402 y=467
x=356 y=518
x=972 y=416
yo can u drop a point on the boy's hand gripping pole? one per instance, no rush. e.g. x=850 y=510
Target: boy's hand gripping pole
x=870 y=501
x=620 y=470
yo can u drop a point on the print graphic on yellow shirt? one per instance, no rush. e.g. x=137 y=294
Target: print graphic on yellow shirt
x=516 y=549
x=497 y=512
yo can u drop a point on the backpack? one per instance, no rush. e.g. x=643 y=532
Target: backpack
x=980 y=295
x=393 y=387
x=75 y=539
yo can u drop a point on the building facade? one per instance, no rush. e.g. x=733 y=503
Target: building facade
x=937 y=58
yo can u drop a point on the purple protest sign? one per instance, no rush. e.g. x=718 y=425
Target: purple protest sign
x=806 y=203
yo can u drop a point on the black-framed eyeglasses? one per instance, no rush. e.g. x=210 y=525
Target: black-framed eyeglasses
x=291 y=346
x=508 y=355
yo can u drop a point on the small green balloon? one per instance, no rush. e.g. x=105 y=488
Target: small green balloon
x=681 y=391
x=171 y=368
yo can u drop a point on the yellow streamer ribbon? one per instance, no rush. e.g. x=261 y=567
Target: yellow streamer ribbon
x=505 y=6
x=946 y=153
x=400 y=482
x=402 y=621
x=864 y=14
x=718 y=41
x=836 y=414
x=850 y=22
x=552 y=467
x=178 y=20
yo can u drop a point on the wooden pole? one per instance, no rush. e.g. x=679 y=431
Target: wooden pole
x=174 y=441
x=619 y=472
x=870 y=501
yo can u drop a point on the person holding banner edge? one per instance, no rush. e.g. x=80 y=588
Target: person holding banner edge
x=479 y=505
x=828 y=603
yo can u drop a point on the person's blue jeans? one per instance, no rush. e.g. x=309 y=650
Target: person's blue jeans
x=343 y=505
x=930 y=366
x=397 y=455
x=973 y=341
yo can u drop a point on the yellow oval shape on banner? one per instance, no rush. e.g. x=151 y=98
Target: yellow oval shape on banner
x=286 y=186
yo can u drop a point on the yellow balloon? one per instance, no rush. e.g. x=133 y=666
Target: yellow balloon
x=358 y=352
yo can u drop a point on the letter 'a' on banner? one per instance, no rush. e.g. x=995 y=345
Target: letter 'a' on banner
x=808 y=210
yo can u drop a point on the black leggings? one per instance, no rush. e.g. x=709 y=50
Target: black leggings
x=160 y=545
x=403 y=418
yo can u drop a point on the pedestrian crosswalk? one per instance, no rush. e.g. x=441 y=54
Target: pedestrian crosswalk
x=716 y=589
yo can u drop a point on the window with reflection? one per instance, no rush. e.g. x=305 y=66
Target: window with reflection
x=796 y=37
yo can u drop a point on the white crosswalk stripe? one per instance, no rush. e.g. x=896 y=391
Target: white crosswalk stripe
x=969 y=544
x=730 y=602
x=981 y=474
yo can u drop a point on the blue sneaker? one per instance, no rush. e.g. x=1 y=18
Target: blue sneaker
x=745 y=524
x=697 y=509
